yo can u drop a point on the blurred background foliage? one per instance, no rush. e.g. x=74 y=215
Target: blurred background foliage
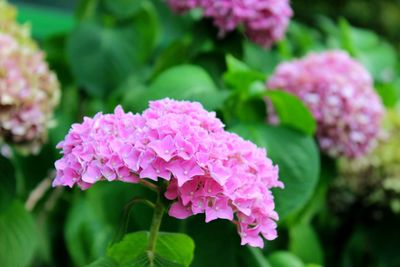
x=127 y=52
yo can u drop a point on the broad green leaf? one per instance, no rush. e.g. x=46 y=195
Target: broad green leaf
x=175 y=54
x=104 y=262
x=239 y=75
x=235 y=64
x=184 y=82
x=259 y=59
x=304 y=243
x=388 y=93
x=297 y=157
x=284 y=259
x=302 y=39
x=292 y=111
x=123 y=8
x=18 y=236
x=7 y=183
x=171 y=250
x=86 y=233
x=42 y=20
x=102 y=57
x=377 y=55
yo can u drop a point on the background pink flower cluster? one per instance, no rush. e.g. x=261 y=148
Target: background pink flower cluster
x=339 y=92
x=264 y=21
x=29 y=91
x=209 y=170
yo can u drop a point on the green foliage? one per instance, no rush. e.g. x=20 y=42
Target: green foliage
x=86 y=233
x=8 y=183
x=103 y=53
x=292 y=111
x=304 y=243
x=171 y=250
x=129 y=52
x=42 y=20
x=284 y=259
x=184 y=82
x=298 y=160
x=18 y=236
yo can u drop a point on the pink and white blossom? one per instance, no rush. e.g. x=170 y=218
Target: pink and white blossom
x=339 y=92
x=264 y=21
x=207 y=170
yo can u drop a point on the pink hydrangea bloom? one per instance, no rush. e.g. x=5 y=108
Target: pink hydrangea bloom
x=207 y=170
x=29 y=92
x=339 y=92
x=264 y=21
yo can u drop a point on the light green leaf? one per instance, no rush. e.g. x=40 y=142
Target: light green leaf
x=42 y=20
x=239 y=75
x=123 y=8
x=297 y=157
x=18 y=236
x=235 y=64
x=171 y=250
x=305 y=244
x=102 y=57
x=284 y=259
x=184 y=82
x=292 y=111
x=388 y=93
x=7 y=183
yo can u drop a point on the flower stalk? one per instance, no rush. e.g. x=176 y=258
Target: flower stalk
x=154 y=229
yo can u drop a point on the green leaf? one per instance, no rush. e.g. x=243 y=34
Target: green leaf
x=171 y=250
x=292 y=111
x=257 y=58
x=388 y=93
x=86 y=233
x=123 y=8
x=284 y=259
x=7 y=183
x=235 y=64
x=377 y=55
x=18 y=236
x=239 y=75
x=305 y=244
x=297 y=157
x=104 y=262
x=43 y=20
x=184 y=82
x=102 y=57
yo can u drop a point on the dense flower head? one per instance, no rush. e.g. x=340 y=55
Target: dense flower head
x=373 y=179
x=207 y=170
x=29 y=91
x=339 y=92
x=264 y=21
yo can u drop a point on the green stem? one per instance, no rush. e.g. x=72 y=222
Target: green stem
x=154 y=229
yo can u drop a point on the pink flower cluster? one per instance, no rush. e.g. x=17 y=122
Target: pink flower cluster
x=29 y=91
x=264 y=21
x=339 y=92
x=208 y=169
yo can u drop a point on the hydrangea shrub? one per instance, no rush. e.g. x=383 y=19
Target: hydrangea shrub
x=264 y=21
x=29 y=91
x=339 y=92
x=207 y=170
